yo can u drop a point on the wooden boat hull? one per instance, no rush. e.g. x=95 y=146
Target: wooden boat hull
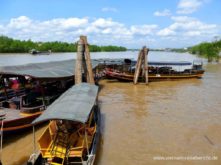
x=153 y=77
x=18 y=124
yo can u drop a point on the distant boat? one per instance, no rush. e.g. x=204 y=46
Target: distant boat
x=36 y=52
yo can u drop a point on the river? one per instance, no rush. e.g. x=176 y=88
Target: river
x=170 y=119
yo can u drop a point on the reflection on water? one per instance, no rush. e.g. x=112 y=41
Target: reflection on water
x=171 y=118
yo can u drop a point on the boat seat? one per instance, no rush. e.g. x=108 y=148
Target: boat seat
x=21 y=91
x=29 y=104
x=79 y=143
x=77 y=149
x=11 y=93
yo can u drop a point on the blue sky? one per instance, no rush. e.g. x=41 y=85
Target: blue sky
x=155 y=23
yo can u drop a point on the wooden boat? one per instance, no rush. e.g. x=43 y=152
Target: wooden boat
x=15 y=121
x=153 y=77
x=37 y=52
x=40 y=84
x=157 y=71
x=52 y=78
x=72 y=135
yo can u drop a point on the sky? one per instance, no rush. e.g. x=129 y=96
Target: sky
x=131 y=23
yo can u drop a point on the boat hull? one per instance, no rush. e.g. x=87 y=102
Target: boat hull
x=153 y=77
x=19 y=124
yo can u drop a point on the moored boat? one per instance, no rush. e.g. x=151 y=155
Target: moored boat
x=157 y=71
x=15 y=121
x=72 y=135
x=26 y=90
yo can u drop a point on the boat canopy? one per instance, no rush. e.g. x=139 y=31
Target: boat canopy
x=151 y=63
x=74 y=105
x=47 y=70
x=182 y=63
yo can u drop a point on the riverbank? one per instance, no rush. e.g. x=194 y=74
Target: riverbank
x=10 y=45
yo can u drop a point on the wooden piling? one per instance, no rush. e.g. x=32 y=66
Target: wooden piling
x=90 y=75
x=142 y=64
x=145 y=65
x=138 y=66
x=78 y=63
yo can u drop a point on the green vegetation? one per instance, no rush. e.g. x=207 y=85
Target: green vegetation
x=9 y=45
x=208 y=50
x=179 y=50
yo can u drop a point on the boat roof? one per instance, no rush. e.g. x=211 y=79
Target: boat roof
x=55 y=69
x=160 y=63
x=74 y=105
x=169 y=63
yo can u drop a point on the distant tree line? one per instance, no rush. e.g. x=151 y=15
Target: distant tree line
x=211 y=50
x=9 y=45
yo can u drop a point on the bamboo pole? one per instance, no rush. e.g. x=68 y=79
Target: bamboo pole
x=78 y=63
x=90 y=75
x=138 y=66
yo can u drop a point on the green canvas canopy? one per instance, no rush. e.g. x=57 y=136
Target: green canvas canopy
x=56 y=69
x=74 y=105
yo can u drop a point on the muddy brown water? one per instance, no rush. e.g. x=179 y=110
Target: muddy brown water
x=170 y=119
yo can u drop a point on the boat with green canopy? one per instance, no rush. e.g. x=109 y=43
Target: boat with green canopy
x=72 y=135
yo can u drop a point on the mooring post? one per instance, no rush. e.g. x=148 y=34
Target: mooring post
x=146 y=50
x=90 y=75
x=78 y=63
x=138 y=66
x=84 y=65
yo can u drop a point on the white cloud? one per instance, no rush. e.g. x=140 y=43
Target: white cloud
x=102 y=23
x=105 y=31
x=143 y=29
x=163 y=13
x=20 y=22
x=109 y=9
x=184 y=26
x=166 y=32
x=189 y=6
